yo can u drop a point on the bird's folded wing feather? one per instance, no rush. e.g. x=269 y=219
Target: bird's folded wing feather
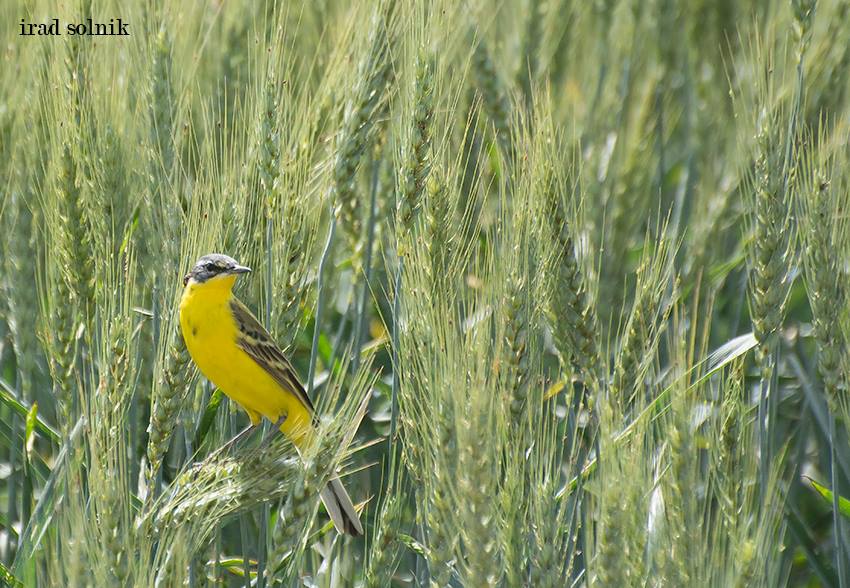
x=254 y=340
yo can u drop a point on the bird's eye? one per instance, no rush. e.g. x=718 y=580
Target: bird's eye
x=210 y=267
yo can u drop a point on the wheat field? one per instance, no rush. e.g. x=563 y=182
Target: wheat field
x=567 y=281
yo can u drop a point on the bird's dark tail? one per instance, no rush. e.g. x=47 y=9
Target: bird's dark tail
x=341 y=509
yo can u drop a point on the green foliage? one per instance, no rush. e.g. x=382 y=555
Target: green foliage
x=539 y=274
x=826 y=493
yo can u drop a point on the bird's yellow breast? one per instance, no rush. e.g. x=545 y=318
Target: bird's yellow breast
x=211 y=332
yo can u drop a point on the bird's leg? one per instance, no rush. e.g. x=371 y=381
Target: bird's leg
x=274 y=430
x=238 y=437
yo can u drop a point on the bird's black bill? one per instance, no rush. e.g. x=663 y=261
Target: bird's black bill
x=239 y=269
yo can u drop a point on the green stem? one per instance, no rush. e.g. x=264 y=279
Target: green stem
x=320 y=289
x=817 y=405
x=396 y=315
x=837 y=520
x=367 y=270
x=14 y=453
x=764 y=457
x=263 y=539
x=243 y=518
x=154 y=492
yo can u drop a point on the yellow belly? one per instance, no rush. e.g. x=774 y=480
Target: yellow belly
x=210 y=333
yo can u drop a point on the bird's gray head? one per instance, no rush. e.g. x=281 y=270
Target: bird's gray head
x=213 y=265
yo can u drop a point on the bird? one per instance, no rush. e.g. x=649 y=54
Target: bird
x=239 y=356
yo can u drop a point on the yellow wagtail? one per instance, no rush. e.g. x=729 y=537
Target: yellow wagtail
x=235 y=352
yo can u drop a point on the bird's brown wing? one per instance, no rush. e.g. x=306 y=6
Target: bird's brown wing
x=254 y=340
